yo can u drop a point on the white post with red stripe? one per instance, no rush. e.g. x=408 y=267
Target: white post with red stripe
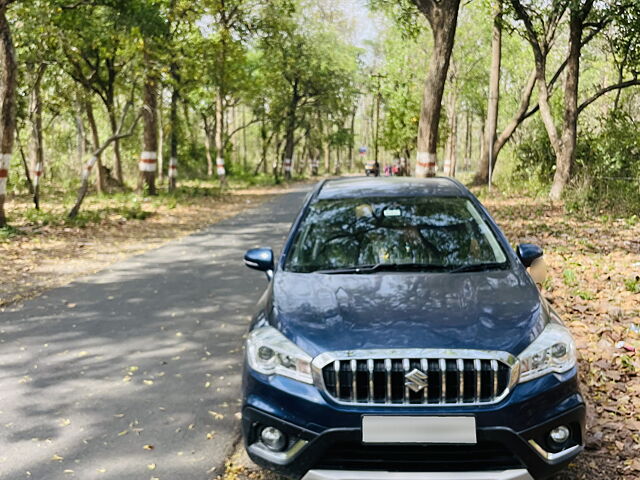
x=173 y=167
x=220 y=167
x=5 y=162
x=426 y=164
x=148 y=162
x=37 y=173
x=288 y=167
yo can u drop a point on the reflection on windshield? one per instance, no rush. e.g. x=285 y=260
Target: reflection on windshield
x=442 y=233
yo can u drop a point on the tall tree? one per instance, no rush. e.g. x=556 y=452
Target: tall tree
x=8 y=86
x=538 y=28
x=491 y=125
x=443 y=19
x=149 y=157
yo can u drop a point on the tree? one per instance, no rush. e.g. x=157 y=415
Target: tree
x=489 y=154
x=8 y=86
x=305 y=71
x=582 y=16
x=443 y=18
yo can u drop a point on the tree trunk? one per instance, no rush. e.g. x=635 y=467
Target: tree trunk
x=37 y=162
x=467 y=140
x=566 y=153
x=25 y=164
x=443 y=18
x=8 y=86
x=173 y=140
x=100 y=180
x=494 y=98
x=352 y=139
x=207 y=145
x=80 y=134
x=287 y=160
x=219 y=138
x=326 y=151
x=451 y=158
x=117 y=156
x=245 y=155
x=189 y=125
x=149 y=157
x=160 y=142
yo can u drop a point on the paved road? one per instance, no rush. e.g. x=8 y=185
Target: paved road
x=134 y=372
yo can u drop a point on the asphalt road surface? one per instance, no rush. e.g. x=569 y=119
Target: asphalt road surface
x=134 y=373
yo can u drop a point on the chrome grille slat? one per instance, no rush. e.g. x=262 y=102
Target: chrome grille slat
x=424 y=365
x=443 y=377
x=354 y=379
x=442 y=363
x=494 y=377
x=387 y=369
x=477 y=365
x=460 y=366
x=370 y=369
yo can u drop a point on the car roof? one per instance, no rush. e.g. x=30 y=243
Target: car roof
x=358 y=187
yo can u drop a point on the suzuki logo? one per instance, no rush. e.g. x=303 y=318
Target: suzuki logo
x=416 y=380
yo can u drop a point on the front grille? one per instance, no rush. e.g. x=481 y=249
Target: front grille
x=439 y=381
x=407 y=458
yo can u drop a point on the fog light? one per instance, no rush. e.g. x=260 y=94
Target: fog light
x=273 y=439
x=560 y=434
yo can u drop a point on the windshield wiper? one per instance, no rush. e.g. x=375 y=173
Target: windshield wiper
x=478 y=267
x=385 y=267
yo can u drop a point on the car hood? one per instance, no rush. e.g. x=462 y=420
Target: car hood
x=498 y=310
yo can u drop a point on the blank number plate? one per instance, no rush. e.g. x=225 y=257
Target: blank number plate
x=419 y=429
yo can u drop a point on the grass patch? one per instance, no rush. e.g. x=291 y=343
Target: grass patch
x=8 y=232
x=632 y=285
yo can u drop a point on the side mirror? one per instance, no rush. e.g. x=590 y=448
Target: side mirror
x=528 y=253
x=260 y=259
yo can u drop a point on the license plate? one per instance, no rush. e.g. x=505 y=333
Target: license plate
x=389 y=429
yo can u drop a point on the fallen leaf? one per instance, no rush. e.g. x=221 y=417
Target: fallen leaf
x=148 y=447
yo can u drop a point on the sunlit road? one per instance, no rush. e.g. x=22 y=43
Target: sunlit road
x=134 y=372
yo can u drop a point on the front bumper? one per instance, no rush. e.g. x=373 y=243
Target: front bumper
x=519 y=474
x=326 y=438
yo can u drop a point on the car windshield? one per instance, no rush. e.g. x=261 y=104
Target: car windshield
x=401 y=233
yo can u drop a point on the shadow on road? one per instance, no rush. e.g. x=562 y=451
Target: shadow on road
x=134 y=372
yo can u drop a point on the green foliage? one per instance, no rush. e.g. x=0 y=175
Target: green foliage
x=632 y=284
x=569 y=278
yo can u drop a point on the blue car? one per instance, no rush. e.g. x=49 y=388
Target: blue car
x=401 y=337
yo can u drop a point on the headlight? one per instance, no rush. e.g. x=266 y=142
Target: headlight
x=271 y=353
x=554 y=351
